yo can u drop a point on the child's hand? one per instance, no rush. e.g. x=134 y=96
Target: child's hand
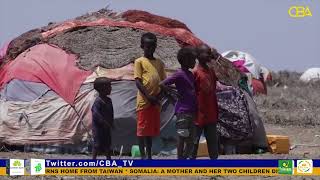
x=153 y=100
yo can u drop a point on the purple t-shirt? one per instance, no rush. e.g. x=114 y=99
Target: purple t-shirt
x=185 y=84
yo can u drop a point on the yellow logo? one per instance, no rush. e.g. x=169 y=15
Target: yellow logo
x=304 y=166
x=299 y=11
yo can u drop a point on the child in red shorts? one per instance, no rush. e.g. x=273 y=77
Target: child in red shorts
x=148 y=73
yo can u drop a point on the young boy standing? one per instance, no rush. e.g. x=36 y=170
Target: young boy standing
x=102 y=118
x=207 y=116
x=186 y=106
x=148 y=73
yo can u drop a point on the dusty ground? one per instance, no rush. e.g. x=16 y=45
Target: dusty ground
x=290 y=101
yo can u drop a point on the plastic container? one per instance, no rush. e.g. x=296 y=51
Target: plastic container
x=135 y=151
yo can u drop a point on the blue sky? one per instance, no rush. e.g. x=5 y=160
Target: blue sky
x=261 y=27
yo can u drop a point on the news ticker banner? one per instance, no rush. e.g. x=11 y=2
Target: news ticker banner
x=75 y=167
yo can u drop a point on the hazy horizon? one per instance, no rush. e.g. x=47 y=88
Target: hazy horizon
x=262 y=28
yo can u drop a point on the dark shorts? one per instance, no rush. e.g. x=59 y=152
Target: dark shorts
x=185 y=124
x=102 y=140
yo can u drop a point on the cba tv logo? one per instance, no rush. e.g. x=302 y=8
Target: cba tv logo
x=304 y=166
x=299 y=11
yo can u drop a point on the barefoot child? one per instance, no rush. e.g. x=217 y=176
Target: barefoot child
x=186 y=106
x=207 y=115
x=102 y=118
x=148 y=73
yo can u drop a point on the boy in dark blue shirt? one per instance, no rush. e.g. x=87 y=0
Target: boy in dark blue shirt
x=102 y=118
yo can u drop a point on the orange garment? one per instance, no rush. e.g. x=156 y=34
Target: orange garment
x=148 y=121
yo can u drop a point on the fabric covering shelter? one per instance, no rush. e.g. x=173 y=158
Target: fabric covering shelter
x=247 y=61
x=47 y=64
x=312 y=74
x=239 y=120
x=25 y=91
x=234 y=122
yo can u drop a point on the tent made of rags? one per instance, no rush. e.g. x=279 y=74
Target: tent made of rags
x=312 y=74
x=46 y=81
x=247 y=64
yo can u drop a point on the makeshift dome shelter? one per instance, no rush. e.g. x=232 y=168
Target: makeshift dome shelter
x=247 y=64
x=46 y=78
x=312 y=74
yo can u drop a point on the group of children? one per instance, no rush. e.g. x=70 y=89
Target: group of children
x=196 y=108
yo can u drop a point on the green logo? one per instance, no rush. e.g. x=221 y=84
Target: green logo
x=16 y=163
x=38 y=167
x=285 y=166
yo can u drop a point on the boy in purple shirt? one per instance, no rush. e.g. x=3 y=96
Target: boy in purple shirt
x=186 y=106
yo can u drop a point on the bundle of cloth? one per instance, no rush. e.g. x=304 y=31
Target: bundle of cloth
x=240 y=127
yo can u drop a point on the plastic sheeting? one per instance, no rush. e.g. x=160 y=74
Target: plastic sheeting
x=25 y=91
x=250 y=62
x=239 y=64
x=178 y=33
x=259 y=138
x=48 y=120
x=49 y=65
x=123 y=73
x=311 y=74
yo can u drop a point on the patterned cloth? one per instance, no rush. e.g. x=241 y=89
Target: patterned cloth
x=234 y=122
